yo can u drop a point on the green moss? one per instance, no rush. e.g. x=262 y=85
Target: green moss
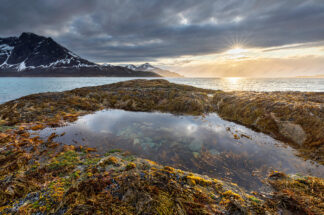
x=254 y=199
x=90 y=161
x=4 y=128
x=130 y=166
x=130 y=158
x=112 y=151
x=65 y=159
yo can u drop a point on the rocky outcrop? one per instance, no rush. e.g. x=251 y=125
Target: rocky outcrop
x=293 y=117
x=291 y=131
x=62 y=179
x=44 y=177
x=40 y=176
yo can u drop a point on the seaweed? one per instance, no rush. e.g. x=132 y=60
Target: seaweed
x=293 y=117
x=44 y=177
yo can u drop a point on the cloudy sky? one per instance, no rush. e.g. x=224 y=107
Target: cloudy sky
x=195 y=38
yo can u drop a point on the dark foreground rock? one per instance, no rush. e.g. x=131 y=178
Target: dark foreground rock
x=296 y=118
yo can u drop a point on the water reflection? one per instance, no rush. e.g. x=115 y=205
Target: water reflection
x=208 y=145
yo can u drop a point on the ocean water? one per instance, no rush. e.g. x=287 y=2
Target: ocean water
x=207 y=145
x=13 y=88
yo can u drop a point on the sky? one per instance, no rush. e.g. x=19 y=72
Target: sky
x=205 y=38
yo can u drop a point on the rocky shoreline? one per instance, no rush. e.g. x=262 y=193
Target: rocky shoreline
x=297 y=118
x=46 y=177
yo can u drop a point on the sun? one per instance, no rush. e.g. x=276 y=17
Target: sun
x=236 y=50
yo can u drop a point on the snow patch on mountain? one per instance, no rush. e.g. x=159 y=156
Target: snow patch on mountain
x=5 y=47
x=131 y=66
x=30 y=55
x=147 y=67
x=22 y=66
x=30 y=51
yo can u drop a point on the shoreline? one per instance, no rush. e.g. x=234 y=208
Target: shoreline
x=47 y=177
x=295 y=118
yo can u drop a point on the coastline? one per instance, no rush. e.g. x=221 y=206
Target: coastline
x=293 y=117
x=46 y=177
x=76 y=180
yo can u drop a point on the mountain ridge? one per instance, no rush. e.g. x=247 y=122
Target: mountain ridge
x=34 y=55
x=150 y=68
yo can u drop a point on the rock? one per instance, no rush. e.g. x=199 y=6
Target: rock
x=291 y=131
x=109 y=160
x=195 y=146
x=136 y=141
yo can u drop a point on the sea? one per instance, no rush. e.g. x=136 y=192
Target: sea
x=13 y=88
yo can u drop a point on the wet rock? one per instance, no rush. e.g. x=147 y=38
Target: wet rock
x=292 y=131
x=293 y=117
x=300 y=115
x=69 y=180
x=195 y=145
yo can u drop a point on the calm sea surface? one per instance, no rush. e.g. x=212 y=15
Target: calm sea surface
x=12 y=88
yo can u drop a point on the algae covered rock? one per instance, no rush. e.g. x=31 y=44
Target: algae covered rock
x=293 y=117
x=298 y=194
x=73 y=180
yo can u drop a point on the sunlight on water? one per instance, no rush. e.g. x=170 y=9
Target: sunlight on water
x=233 y=81
x=13 y=88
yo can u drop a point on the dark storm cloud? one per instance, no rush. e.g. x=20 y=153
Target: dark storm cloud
x=130 y=30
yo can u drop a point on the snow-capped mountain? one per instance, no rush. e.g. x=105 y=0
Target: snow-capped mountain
x=34 y=55
x=146 y=67
x=31 y=51
x=150 y=68
x=131 y=66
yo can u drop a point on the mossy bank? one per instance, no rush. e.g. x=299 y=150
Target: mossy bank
x=44 y=177
x=296 y=118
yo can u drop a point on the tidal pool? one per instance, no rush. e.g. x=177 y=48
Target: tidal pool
x=207 y=145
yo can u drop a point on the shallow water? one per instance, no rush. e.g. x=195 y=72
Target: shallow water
x=204 y=145
x=13 y=88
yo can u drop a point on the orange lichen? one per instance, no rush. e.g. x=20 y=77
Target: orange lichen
x=169 y=169
x=232 y=195
x=90 y=149
x=112 y=160
x=151 y=162
x=37 y=127
x=193 y=180
x=130 y=166
x=236 y=137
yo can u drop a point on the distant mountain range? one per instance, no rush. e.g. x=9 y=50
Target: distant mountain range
x=149 y=68
x=34 y=55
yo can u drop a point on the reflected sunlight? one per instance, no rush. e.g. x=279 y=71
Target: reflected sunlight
x=233 y=80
